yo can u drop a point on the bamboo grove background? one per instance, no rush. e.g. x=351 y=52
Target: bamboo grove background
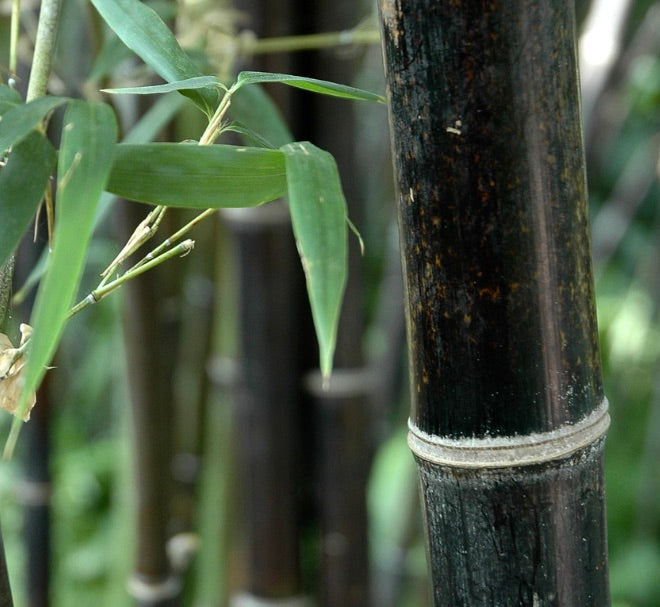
x=226 y=332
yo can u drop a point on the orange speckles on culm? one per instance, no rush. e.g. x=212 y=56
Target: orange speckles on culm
x=435 y=220
x=467 y=318
x=437 y=260
x=514 y=286
x=492 y=294
x=425 y=376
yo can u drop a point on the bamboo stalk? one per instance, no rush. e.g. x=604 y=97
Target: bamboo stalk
x=267 y=403
x=342 y=411
x=152 y=583
x=508 y=414
x=35 y=498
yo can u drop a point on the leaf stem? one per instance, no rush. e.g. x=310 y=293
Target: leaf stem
x=105 y=289
x=44 y=49
x=168 y=242
x=143 y=232
x=212 y=130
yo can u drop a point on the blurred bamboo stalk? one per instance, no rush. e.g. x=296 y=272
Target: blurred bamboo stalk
x=269 y=427
x=267 y=401
x=149 y=363
x=343 y=411
x=508 y=414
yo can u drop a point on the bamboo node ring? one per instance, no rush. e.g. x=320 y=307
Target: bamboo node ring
x=146 y=590
x=510 y=451
x=245 y=599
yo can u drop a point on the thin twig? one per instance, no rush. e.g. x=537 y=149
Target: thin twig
x=143 y=232
x=106 y=288
x=168 y=242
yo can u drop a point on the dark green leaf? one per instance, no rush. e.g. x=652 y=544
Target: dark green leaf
x=318 y=216
x=144 y=32
x=310 y=84
x=85 y=158
x=189 y=84
x=22 y=184
x=197 y=176
x=18 y=121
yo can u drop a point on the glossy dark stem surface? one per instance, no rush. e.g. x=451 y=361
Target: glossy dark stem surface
x=484 y=110
x=524 y=536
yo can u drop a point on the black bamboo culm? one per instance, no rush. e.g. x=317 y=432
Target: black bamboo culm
x=508 y=415
x=35 y=498
x=267 y=403
x=152 y=583
x=341 y=412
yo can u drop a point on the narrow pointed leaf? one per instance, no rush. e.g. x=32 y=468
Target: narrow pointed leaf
x=144 y=32
x=85 y=158
x=189 y=84
x=197 y=176
x=323 y=87
x=18 y=121
x=318 y=216
x=22 y=184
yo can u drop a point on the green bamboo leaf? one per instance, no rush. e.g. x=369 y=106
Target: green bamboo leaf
x=151 y=122
x=189 y=84
x=85 y=158
x=22 y=184
x=18 y=121
x=9 y=97
x=144 y=32
x=197 y=176
x=323 y=87
x=318 y=217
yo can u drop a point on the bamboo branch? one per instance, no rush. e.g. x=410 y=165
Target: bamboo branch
x=44 y=49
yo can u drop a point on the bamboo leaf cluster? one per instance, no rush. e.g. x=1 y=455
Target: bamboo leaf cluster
x=201 y=175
